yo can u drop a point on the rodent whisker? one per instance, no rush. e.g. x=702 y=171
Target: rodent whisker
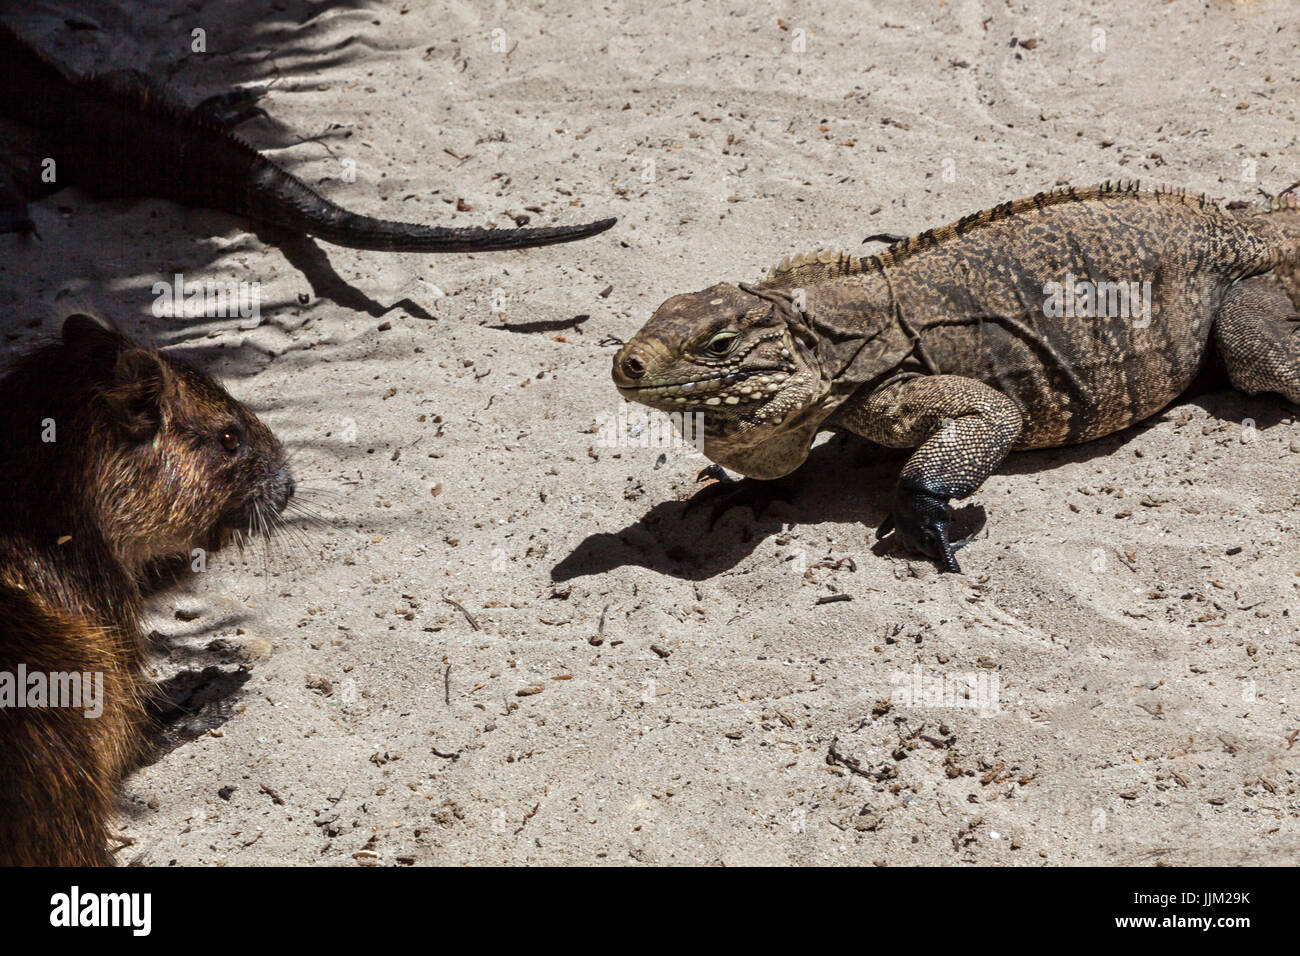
x=274 y=527
x=257 y=527
x=313 y=516
x=326 y=488
x=280 y=539
x=296 y=540
x=287 y=527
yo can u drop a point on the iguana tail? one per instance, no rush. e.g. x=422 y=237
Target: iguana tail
x=281 y=199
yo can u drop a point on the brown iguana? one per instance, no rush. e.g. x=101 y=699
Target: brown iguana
x=122 y=134
x=1042 y=322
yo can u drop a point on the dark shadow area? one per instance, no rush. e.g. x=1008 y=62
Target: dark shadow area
x=545 y=325
x=187 y=706
x=204 y=693
x=843 y=480
x=280 y=48
x=307 y=256
x=1211 y=393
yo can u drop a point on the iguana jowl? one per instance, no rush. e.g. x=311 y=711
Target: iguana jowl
x=122 y=134
x=950 y=342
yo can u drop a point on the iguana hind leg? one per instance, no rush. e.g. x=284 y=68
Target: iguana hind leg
x=962 y=429
x=1257 y=333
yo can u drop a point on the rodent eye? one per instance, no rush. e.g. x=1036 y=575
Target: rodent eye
x=722 y=343
x=230 y=440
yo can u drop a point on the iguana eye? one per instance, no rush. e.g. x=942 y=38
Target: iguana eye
x=721 y=343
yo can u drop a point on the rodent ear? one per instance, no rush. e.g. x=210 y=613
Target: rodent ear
x=140 y=382
x=89 y=330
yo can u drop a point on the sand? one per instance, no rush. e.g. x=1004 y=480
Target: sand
x=506 y=642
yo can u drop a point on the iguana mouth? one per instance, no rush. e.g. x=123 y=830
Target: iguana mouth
x=732 y=388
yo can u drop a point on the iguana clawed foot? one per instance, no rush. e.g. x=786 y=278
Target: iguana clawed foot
x=232 y=108
x=713 y=472
x=727 y=493
x=920 y=523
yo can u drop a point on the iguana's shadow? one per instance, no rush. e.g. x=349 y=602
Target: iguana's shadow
x=844 y=480
x=307 y=256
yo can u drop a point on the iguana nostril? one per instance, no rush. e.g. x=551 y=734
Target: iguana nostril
x=633 y=367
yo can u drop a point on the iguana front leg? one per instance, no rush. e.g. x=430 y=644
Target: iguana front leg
x=727 y=493
x=21 y=158
x=961 y=428
x=14 y=216
x=1257 y=332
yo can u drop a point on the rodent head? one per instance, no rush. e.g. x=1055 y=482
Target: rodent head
x=173 y=459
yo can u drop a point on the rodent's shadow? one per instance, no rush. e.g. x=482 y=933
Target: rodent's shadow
x=845 y=480
x=190 y=704
x=203 y=694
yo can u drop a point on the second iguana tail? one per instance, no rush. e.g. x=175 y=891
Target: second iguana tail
x=283 y=200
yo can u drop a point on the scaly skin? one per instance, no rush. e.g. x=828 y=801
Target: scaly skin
x=123 y=135
x=944 y=342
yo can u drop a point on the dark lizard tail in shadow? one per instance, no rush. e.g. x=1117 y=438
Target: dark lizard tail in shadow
x=123 y=134
x=281 y=199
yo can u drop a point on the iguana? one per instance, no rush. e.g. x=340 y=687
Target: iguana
x=122 y=134
x=963 y=343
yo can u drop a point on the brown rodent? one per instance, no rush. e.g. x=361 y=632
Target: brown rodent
x=149 y=459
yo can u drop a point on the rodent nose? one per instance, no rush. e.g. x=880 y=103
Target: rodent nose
x=282 y=488
x=632 y=366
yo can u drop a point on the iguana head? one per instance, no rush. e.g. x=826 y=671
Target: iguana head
x=741 y=356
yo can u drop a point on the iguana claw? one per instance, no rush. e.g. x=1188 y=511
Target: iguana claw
x=728 y=493
x=920 y=522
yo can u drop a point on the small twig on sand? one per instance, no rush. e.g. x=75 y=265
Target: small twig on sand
x=460 y=607
x=527 y=816
x=833 y=756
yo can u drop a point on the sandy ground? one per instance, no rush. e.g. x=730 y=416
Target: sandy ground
x=624 y=685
